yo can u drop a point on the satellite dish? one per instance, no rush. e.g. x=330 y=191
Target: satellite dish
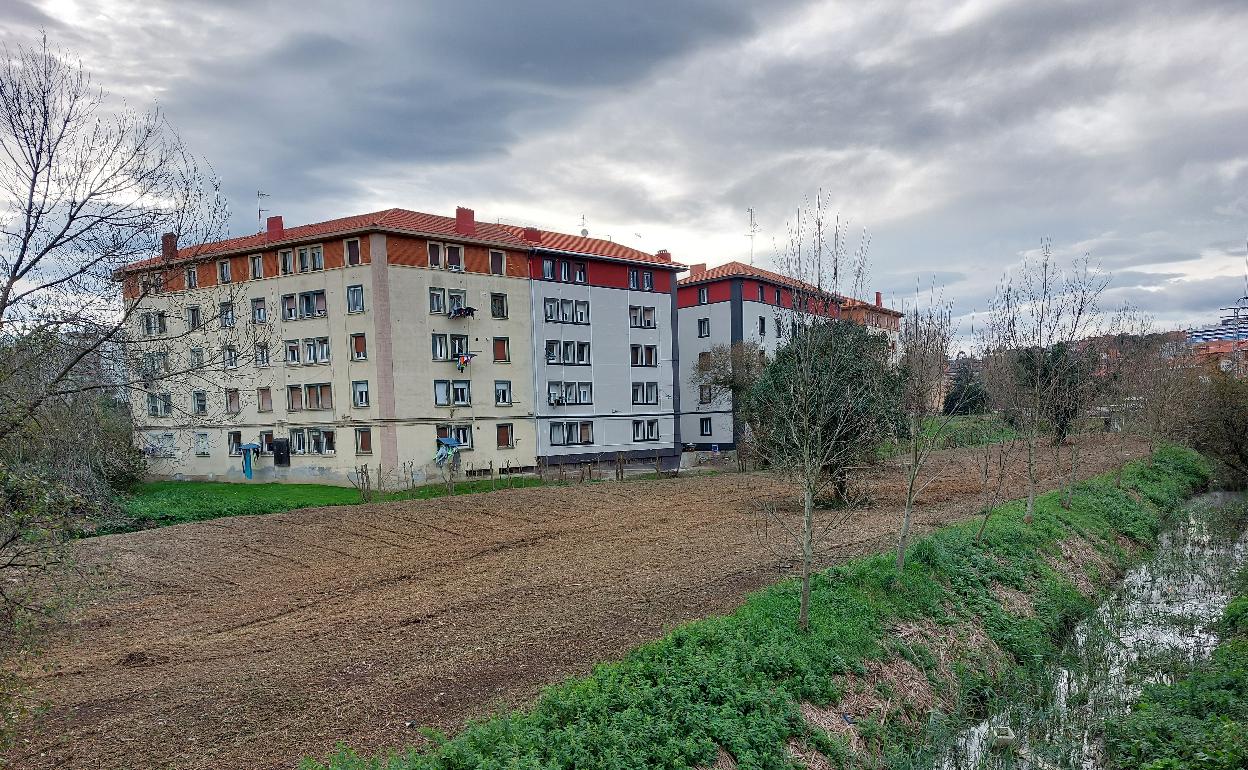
x=584 y=232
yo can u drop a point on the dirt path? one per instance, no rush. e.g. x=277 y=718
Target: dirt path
x=250 y=642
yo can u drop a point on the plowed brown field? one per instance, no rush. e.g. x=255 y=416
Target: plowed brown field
x=250 y=642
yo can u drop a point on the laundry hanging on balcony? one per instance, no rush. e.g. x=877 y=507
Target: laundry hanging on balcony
x=462 y=361
x=462 y=312
x=447 y=449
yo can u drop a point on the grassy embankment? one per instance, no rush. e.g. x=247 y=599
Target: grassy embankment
x=912 y=657
x=162 y=503
x=1199 y=722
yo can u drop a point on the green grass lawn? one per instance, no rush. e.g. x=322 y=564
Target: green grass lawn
x=162 y=503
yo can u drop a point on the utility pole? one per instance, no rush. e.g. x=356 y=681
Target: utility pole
x=260 y=196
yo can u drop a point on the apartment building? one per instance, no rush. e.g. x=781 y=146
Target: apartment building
x=735 y=303
x=367 y=339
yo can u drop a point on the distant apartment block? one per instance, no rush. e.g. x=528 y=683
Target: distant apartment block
x=367 y=339
x=739 y=303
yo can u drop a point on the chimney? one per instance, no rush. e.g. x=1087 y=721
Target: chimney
x=697 y=269
x=465 y=221
x=532 y=235
x=275 y=229
x=664 y=255
x=879 y=299
x=169 y=247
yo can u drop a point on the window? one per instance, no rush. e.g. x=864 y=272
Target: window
x=159 y=404
x=435 y=255
x=704 y=426
x=703 y=295
x=641 y=317
x=645 y=355
x=647 y=280
x=459 y=345
x=201 y=444
x=310 y=258
x=259 y=313
x=266 y=442
x=461 y=392
x=192 y=278
x=704 y=360
x=292 y=351
x=762 y=326
x=235 y=440
x=287 y=261
x=498 y=305
x=567 y=352
x=262 y=355
x=550 y=309
x=442 y=392
x=359 y=347
x=229 y=357
x=196 y=358
x=233 y=405
x=561 y=393
x=290 y=307
x=461 y=433
x=440 y=351
x=498 y=262
x=359 y=393
x=257 y=265
x=548 y=269
x=223 y=271
x=502 y=392
x=355 y=299
x=502 y=349
x=154 y=323
x=634 y=279
x=363 y=441
x=294 y=398
x=704 y=394
x=194 y=318
x=352 y=248
x=155 y=364
x=762 y=293
x=704 y=327
x=312 y=304
x=226 y=315
x=562 y=433
x=316 y=350
x=320 y=441
x=456 y=300
x=318 y=396
x=777 y=296
x=645 y=392
x=298 y=441
x=199 y=402
x=578 y=272
x=454 y=257
x=505 y=435
x=580 y=314
x=437 y=300
x=264 y=400
x=645 y=430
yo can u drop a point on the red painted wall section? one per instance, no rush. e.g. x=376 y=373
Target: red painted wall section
x=612 y=275
x=716 y=291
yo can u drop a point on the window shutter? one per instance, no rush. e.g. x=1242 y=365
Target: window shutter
x=500 y=349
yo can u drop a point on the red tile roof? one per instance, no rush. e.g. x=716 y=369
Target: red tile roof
x=407 y=221
x=742 y=270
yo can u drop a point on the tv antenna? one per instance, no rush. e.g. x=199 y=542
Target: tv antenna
x=750 y=234
x=260 y=196
x=584 y=227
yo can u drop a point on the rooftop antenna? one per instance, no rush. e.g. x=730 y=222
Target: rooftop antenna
x=584 y=227
x=260 y=196
x=750 y=234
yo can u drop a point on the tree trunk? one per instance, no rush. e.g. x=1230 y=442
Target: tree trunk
x=808 y=557
x=1031 y=480
x=1070 y=482
x=911 y=477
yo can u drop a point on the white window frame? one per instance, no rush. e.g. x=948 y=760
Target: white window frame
x=440 y=343
x=703 y=295
x=441 y=392
x=704 y=327
x=705 y=427
x=223 y=271
x=355 y=298
x=501 y=298
x=502 y=261
x=502 y=393
x=256 y=263
x=192 y=278
x=437 y=301
x=464 y=388
x=359 y=396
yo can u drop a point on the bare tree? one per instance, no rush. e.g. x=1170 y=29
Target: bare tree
x=1037 y=306
x=822 y=405
x=924 y=342
x=724 y=374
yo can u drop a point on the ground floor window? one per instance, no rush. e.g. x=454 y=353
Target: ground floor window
x=506 y=438
x=159 y=444
x=461 y=433
x=363 y=441
x=313 y=441
x=571 y=433
x=266 y=442
x=704 y=426
x=645 y=430
x=201 y=444
x=235 y=442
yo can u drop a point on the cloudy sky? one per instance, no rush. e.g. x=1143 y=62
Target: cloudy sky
x=959 y=133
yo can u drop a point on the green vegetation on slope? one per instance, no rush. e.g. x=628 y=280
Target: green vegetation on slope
x=1200 y=722
x=162 y=503
x=739 y=681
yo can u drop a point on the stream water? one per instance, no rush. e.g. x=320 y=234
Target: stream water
x=1156 y=623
